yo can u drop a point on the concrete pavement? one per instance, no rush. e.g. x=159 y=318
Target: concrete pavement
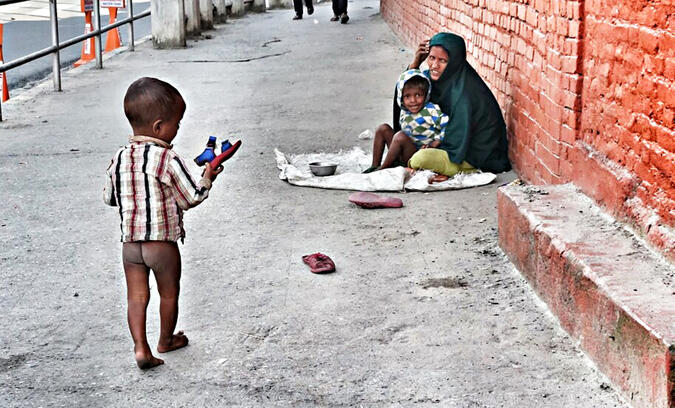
x=424 y=309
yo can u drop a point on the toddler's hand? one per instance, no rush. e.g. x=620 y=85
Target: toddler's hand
x=434 y=144
x=210 y=173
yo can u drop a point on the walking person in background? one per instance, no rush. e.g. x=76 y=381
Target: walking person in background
x=340 y=11
x=297 y=4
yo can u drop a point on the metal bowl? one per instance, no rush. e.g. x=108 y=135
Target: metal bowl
x=322 y=168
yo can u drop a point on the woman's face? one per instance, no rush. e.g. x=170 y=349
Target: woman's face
x=437 y=61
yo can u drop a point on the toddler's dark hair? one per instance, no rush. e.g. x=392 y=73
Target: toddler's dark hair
x=417 y=82
x=150 y=99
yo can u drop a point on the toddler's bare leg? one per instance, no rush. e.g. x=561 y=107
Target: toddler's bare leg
x=383 y=137
x=138 y=296
x=164 y=260
x=401 y=148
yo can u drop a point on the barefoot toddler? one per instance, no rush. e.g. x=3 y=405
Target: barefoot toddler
x=422 y=123
x=151 y=186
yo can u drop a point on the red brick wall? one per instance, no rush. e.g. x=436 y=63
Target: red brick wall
x=587 y=89
x=628 y=112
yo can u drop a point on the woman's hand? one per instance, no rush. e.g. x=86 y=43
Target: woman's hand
x=420 y=55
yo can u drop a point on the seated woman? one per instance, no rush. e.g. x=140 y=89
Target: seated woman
x=475 y=136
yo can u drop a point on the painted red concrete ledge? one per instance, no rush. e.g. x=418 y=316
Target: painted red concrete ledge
x=609 y=291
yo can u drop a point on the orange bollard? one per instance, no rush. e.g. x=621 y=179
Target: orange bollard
x=3 y=82
x=113 y=36
x=88 y=46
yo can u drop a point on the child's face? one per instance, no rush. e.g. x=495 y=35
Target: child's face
x=413 y=98
x=168 y=129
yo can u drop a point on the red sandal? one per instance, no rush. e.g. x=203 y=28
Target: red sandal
x=372 y=200
x=319 y=263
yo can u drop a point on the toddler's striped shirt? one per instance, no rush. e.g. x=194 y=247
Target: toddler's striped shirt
x=152 y=187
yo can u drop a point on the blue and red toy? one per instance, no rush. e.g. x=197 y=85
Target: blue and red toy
x=208 y=154
x=227 y=150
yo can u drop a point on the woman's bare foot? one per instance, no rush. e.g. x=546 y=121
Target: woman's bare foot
x=146 y=360
x=438 y=178
x=176 y=341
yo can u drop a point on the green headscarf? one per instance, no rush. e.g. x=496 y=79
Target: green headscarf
x=453 y=78
x=476 y=132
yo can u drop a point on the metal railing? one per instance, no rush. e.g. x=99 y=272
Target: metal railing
x=57 y=46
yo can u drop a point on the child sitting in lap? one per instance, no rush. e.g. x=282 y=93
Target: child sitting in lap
x=152 y=187
x=422 y=123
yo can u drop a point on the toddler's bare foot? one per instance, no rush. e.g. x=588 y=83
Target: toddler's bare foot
x=176 y=341
x=147 y=360
x=438 y=178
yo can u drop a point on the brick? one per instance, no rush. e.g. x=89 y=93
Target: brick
x=667 y=118
x=550 y=24
x=651 y=15
x=572 y=100
x=569 y=64
x=567 y=134
x=547 y=158
x=524 y=163
x=664 y=162
x=665 y=137
x=551 y=141
x=561 y=26
x=633 y=60
x=665 y=92
x=532 y=17
x=571 y=46
x=642 y=126
x=521 y=11
x=540 y=6
x=648 y=40
x=574 y=83
x=644 y=172
x=554 y=6
x=574 y=10
x=664 y=206
x=667 y=42
x=646 y=86
x=566 y=167
x=669 y=68
x=574 y=29
x=570 y=118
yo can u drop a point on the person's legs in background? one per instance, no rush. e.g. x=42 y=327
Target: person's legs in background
x=336 y=10
x=297 y=5
x=343 y=11
x=340 y=11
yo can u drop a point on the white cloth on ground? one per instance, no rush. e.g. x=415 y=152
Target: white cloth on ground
x=349 y=176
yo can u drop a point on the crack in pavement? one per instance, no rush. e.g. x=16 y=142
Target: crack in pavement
x=230 y=61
